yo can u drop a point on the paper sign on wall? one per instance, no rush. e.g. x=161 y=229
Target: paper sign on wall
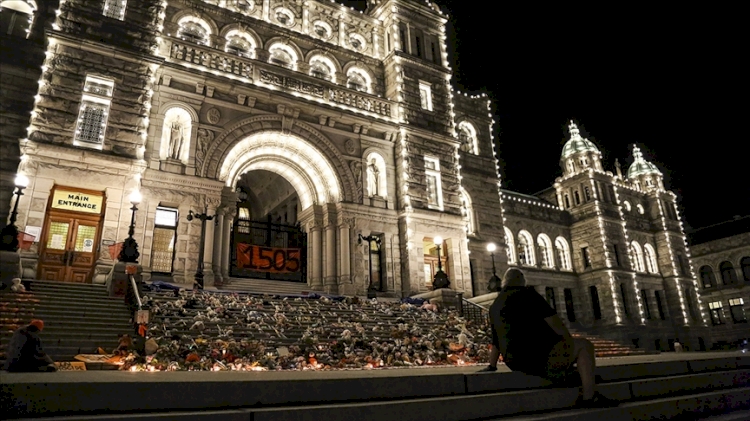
x=35 y=231
x=57 y=242
x=88 y=245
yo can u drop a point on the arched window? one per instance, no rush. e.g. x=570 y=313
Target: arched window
x=322 y=29
x=242 y=6
x=322 y=68
x=745 y=265
x=563 y=253
x=284 y=16
x=468 y=208
x=510 y=246
x=358 y=80
x=578 y=197
x=640 y=209
x=637 y=255
x=240 y=43
x=545 y=251
x=16 y=17
x=650 y=257
x=707 y=276
x=115 y=9
x=357 y=42
x=525 y=249
x=728 y=276
x=567 y=201
x=467 y=134
x=283 y=55
x=194 y=30
x=626 y=206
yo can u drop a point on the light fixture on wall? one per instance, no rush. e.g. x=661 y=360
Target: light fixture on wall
x=129 y=253
x=441 y=278
x=494 y=284
x=10 y=231
x=370 y=239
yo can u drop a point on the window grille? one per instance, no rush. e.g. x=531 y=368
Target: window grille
x=433 y=183
x=115 y=9
x=425 y=96
x=92 y=116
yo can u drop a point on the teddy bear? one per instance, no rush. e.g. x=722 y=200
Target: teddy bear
x=17 y=285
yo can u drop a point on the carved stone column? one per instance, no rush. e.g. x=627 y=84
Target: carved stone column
x=316 y=264
x=345 y=258
x=218 y=242
x=208 y=248
x=226 y=246
x=330 y=259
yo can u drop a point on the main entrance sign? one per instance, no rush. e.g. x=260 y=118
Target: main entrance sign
x=77 y=201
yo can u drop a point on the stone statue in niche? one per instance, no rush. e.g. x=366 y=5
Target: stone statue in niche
x=176 y=136
x=372 y=178
x=467 y=140
x=356 y=167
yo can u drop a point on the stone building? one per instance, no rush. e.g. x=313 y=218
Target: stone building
x=328 y=146
x=721 y=256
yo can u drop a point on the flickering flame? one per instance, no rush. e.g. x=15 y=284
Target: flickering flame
x=133 y=368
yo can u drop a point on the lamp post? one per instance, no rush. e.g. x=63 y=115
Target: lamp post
x=370 y=238
x=495 y=282
x=129 y=253
x=10 y=231
x=203 y=218
x=441 y=278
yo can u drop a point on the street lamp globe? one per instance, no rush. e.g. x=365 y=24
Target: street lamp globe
x=21 y=181
x=491 y=247
x=438 y=240
x=135 y=197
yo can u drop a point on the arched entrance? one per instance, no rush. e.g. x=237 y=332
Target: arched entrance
x=282 y=181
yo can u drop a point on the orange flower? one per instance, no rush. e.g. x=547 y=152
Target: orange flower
x=192 y=357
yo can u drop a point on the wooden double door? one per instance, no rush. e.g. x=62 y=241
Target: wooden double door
x=69 y=246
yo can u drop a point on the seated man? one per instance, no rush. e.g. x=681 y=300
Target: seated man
x=25 y=352
x=532 y=339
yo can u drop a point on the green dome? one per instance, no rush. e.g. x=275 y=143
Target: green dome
x=640 y=166
x=576 y=144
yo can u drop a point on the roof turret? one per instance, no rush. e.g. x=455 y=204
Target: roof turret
x=576 y=144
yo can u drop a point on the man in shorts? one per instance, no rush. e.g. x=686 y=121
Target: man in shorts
x=532 y=339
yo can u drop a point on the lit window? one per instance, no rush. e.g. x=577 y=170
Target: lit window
x=356 y=82
x=425 y=95
x=736 y=307
x=640 y=209
x=240 y=44
x=637 y=255
x=510 y=246
x=285 y=16
x=193 y=31
x=563 y=253
x=16 y=18
x=321 y=68
x=115 y=9
x=283 y=55
x=322 y=29
x=545 y=251
x=242 y=6
x=469 y=212
x=650 y=257
x=92 y=116
x=627 y=206
x=525 y=249
x=357 y=42
x=165 y=234
x=707 y=276
x=433 y=182
x=717 y=314
x=467 y=134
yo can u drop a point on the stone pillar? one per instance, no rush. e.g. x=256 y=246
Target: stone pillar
x=226 y=246
x=218 y=243
x=316 y=266
x=291 y=212
x=266 y=10
x=345 y=258
x=330 y=259
x=208 y=248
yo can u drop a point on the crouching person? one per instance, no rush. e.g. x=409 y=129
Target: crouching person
x=532 y=339
x=25 y=352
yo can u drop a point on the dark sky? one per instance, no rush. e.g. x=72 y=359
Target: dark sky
x=671 y=80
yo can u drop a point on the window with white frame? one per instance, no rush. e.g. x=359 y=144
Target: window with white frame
x=283 y=55
x=717 y=314
x=165 y=234
x=194 y=31
x=736 y=307
x=510 y=246
x=322 y=68
x=650 y=257
x=240 y=43
x=425 y=95
x=433 y=182
x=92 y=116
x=525 y=249
x=467 y=134
x=563 y=253
x=468 y=210
x=16 y=17
x=637 y=255
x=115 y=9
x=545 y=251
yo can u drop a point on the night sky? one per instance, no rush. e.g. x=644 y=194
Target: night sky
x=672 y=81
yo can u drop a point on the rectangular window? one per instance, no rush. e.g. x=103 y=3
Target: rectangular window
x=425 y=96
x=433 y=182
x=660 y=305
x=586 y=257
x=717 y=314
x=433 y=50
x=688 y=297
x=625 y=306
x=402 y=38
x=115 y=9
x=165 y=234
x=736 y=307
x=243 y=220
x=418 y=42
x=595 y=306
x=587 y=193
x=616 y=255
x=569 y=307
x=644 y=300
x=550 y=292
x=92 y=116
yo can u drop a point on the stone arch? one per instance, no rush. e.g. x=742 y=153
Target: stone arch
x=212 y=27
x=358 y=66
x=471 y=127
x=284 y=41
x=244 y=127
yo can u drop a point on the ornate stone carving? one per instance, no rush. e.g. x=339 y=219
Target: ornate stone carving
x=291 y=84
x=213 y=115
x=351 y=146
x=356 y=167
x=205 y=137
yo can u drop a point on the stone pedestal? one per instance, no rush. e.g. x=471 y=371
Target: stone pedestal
x=172 y=165
x=10 y=267
x=378 y=202
x=117 y=283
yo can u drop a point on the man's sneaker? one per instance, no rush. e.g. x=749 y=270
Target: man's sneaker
x=598 y=401
x=487 y=369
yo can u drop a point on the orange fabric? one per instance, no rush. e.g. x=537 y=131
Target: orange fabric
x=38 y=323
x=142 y=329
x=268 y=259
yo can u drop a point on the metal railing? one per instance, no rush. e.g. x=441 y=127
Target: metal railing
x=474 y=312
x=136 y=294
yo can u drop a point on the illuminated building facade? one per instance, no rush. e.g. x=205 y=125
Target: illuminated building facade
x=311 y=115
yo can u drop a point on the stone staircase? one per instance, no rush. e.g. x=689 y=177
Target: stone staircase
x=264 y=286
x=78 y=318
x=608 y=348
